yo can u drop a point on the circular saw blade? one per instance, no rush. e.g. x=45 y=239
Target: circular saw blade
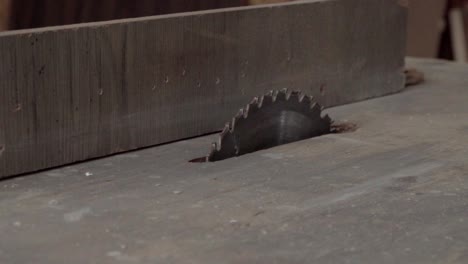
x=277 y=118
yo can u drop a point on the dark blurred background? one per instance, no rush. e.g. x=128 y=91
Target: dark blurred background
x=437 y=28
x=40 y=13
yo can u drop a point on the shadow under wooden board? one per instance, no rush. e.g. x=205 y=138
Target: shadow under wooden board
x=77 y=92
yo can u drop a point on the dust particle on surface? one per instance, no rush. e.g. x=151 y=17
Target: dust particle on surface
x=114 y=254
x=77 y=215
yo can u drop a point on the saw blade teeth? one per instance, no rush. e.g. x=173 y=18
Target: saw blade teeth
x=223 y=134
x=254 y=101
x=233 y=123
x=301 y=97
x=315 y=108
x=260 y=101
x=226 y=129
x=307 y=100
x=327 y=119
x=289 y=94
x=237 y=118
x=275 y=96
x=295 y=95
x=253 y=107
x=240 y=114
x=281 y=95
x=246 y=111
x=266 y=100
x=214 y=147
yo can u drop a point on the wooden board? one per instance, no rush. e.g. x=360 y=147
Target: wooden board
x=394 y=191
x=78 y=92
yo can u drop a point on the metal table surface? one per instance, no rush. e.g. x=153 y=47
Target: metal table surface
x=394 y=191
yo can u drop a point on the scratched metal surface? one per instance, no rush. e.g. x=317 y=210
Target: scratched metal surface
x=394 y=191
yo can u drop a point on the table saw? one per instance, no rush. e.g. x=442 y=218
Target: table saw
x=393 y=191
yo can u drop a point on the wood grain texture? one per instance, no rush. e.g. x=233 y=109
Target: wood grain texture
x=77 y=92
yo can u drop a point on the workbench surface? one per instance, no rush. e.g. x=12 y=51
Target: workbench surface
x=394 y=191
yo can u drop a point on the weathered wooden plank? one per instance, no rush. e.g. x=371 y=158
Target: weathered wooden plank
x=77 y=92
